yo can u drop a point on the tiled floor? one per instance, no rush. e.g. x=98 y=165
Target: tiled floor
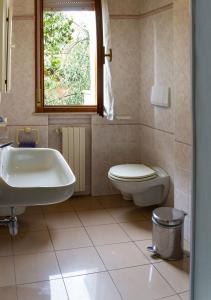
x=87 y=249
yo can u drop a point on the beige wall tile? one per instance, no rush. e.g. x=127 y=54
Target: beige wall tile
x=23 y=7
x=182 y=71
x=183 y=156
x=125 y=67
x=156 y=42
x=148 y=5
x=124 y=6
x=19 y=105
x=112 y=145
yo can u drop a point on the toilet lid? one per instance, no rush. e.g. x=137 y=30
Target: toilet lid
x=132 y=171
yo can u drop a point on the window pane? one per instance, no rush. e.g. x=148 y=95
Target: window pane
x=69 y=58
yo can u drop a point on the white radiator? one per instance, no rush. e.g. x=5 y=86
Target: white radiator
x=73 y=150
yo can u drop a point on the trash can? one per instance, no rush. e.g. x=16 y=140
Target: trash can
x=167 y=233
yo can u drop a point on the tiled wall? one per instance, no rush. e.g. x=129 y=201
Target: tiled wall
x=154 y=47
x=166 y=133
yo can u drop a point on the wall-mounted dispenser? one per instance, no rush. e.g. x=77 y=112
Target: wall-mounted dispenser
x=6 y=12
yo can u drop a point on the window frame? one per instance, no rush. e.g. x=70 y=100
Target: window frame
x=39 y=73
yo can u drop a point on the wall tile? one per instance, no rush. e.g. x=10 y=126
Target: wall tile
x=19 y=105
x=23 y=7
x=183 y=156
x=124 y=6
x=156 y=42
x=112 y=145
x=148 y=5
x=182 y=71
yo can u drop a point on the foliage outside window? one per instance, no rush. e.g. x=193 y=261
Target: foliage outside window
x=67 y=59
x=69 y=56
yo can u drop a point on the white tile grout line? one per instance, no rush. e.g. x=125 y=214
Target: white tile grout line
x=58 y=263
x=82 y=225
x=101 y=259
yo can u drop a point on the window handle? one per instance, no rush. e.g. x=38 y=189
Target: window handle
x=109 y=55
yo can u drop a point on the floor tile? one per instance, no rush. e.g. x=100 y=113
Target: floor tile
x=69 y=238
x=47 y=290
x=114 y=201
x=95 y=217
x=5 y=245
x=31 y=222
x=33 y=210
x=176 y=273
x=127 y=214
x=79 y=261
x=8 y=293
x=185 y=296
x=85 y=203
x=138 y=230
x=36 y=267
x=32 y=242
x=59 y=207
x=57 y=220
x=143 y=246
x=7 y=275
x=145 y=281
x=107 y=234
x=122 y=255
x=98 y=286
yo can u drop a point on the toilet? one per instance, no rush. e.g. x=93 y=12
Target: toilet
x=144 y=185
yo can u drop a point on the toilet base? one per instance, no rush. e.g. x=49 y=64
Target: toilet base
x=149 y=197
x=127 y=196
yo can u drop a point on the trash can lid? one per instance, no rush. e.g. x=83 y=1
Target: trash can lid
x=168 y=216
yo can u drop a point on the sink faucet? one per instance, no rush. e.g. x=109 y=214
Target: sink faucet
x=6 y=144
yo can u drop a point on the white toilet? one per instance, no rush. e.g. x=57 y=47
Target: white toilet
x=145 y=186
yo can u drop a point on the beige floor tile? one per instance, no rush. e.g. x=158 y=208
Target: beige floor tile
x=122 y=255
x=8 y=293
x=5 y=245
x=143 y=246
x=185 y=296
x=107 y=234
x=139 y=230
x=95 y=217
x=32 y=242
x=79 y=262
x=47 y=290
x=114 y=201
x=85 y=203
x=33 y=210
x=69 y=238
x=59 y=207
x=143 y=282
x=36 y=267
x=97 y=286
x=31 y=222
x=7 y=275
x=176 y=273
x=127 y=214
x=57 y=220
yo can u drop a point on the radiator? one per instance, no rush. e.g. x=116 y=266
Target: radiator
x=73 y=150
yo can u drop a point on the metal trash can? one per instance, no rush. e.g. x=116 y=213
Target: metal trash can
x=167 y=233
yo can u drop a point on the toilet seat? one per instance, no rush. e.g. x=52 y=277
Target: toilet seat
x=132 y=172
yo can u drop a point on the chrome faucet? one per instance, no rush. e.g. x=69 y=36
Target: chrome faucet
x=6 y=144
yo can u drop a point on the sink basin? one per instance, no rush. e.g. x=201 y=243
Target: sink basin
x=34 y=176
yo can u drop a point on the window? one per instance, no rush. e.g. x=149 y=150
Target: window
x=69 y=56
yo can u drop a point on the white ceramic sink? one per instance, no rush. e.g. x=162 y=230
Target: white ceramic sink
x=36 y=176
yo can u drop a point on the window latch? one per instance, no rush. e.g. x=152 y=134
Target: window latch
x=109 y=55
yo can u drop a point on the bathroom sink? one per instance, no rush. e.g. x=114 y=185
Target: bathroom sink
x=34 y=176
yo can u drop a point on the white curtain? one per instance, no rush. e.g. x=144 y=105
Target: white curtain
x=108 y=91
